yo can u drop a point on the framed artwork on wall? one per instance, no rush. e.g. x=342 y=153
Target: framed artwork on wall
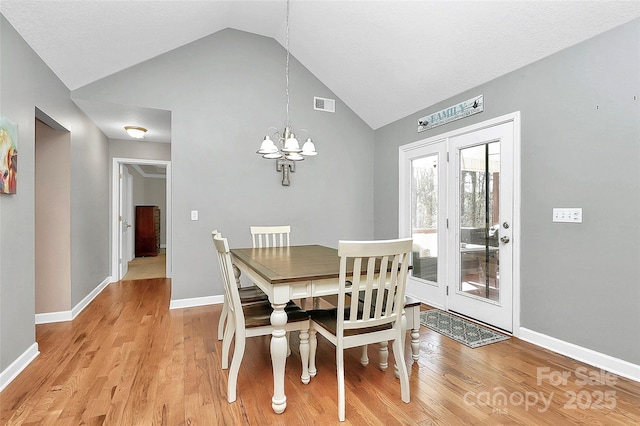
x=8 y=156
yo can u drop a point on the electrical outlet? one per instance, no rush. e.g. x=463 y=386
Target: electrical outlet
x=567 y=215
x=194 y=214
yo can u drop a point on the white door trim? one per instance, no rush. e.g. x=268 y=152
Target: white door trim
x=115 y=201
x=404 y=226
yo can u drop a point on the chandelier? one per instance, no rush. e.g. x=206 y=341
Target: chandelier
x=287 y=151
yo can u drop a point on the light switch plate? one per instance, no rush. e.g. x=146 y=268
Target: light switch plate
x=194 y=214
x=567 y=215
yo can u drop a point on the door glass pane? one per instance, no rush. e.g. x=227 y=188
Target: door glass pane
x=479 y=221
x=424 y=217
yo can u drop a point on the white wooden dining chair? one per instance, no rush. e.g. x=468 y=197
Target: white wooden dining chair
x=270 y=236
x=411 y=321
x=249 y=321
x=273 y=236
x=250 y=295
x=383 y=264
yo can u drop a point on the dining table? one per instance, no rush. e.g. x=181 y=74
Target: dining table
x=299 y=272
x=284 y=274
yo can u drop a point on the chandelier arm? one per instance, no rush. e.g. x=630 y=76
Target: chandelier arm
x=274 y=132
x=301 y=132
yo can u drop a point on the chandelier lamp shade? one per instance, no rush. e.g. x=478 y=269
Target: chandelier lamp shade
x=284 y=147
x=290 y=147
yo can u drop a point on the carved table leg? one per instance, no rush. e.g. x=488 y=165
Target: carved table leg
x=278 y=356
x=304 y=355
x=236 y=273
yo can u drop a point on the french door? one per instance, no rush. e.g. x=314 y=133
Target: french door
x=481 y=216
x=457 y=202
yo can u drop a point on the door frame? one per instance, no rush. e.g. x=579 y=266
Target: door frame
x=126 y=204
x=115 y=208
x=404 y=223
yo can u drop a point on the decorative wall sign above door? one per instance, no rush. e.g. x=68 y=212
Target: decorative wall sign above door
x=453 y=113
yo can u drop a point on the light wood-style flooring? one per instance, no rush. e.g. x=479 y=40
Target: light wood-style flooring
x=128 y=360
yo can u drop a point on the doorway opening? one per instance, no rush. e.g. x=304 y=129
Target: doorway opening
x=52 y=217
x=123 y=213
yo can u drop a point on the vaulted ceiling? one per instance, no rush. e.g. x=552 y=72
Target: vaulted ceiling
x=385 y=59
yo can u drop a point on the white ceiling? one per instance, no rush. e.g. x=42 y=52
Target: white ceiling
x=384 y=59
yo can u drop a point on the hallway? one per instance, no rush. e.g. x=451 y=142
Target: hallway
x=147 y=267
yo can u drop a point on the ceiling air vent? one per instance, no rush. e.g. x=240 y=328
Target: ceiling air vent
x=324 y=104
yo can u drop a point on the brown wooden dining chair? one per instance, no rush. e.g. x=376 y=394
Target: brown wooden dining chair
x=377 y=265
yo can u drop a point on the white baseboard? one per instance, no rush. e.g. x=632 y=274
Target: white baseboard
x=89 y=297
x=16 y=367
x=61 y=316
x=196 y=301
x=50 y=317
x=588 y=356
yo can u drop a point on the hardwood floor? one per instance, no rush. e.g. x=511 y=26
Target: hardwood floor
x=128 y=360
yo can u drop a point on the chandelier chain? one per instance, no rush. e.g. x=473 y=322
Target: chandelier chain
x=288 y=152
x=288 y=123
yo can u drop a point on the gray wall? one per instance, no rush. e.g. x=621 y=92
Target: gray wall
x=140 y=150
x=224 y=92
x=28 y=83
x=580 y=113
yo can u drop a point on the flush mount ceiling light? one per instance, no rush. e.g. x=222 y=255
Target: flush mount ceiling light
x=288 y=152
x=135 y=131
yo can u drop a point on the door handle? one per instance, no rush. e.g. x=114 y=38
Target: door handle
x=504 y=239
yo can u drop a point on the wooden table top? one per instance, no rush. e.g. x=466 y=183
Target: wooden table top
x=290 y=264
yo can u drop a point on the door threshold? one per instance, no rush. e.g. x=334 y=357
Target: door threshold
x=482 y=323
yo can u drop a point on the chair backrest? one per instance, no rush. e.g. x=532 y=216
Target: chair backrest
x=376 y=265
x=270 y=236
x=228 y=278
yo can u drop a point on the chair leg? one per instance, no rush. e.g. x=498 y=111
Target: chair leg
x=415 y=344
x=398 y=353
x=304 y=355
x=340 y=374
x=288 y=345
x=226 y=342
x=384 y=355
x=223 y=317
x=313 y=346
x=402 y=344
x=364 y=357
x=238 y=353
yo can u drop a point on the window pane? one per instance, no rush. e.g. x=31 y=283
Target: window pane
x=424 y=217
x=479 y=206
